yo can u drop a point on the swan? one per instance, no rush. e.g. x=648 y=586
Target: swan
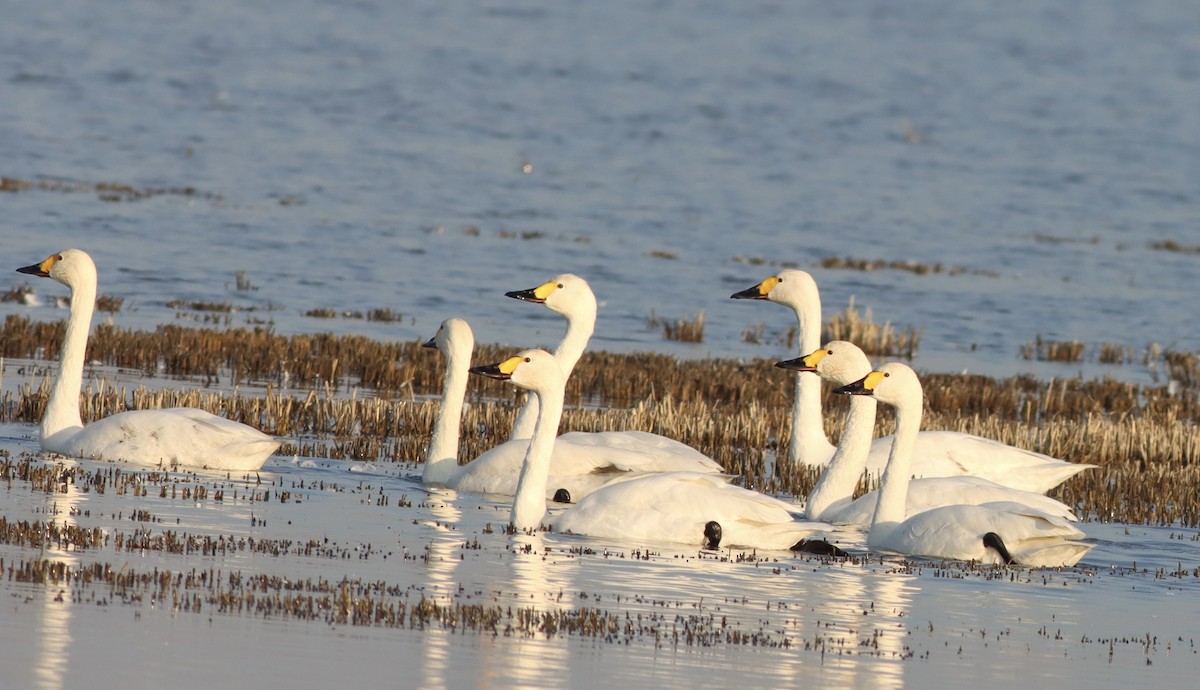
x=841 y=362
x=693 y=508
x=571 y=296
x=580 y=463
x=940 y=453
x=796 y=289
x=181 y=436
x=1000 y=532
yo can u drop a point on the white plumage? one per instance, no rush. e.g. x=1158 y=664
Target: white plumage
x=940 y=453
x=841 y=362
x=671 y=507
x=996 y=532
x=179 y=436
x=580 y=463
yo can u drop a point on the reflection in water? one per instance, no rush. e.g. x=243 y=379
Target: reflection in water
x=54 y=634
x=443 y=555
x=535 y=582
x=891 y=596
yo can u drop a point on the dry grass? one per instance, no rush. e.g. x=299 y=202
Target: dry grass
x=1143 y=438
x=873 y=338
x=1070 y=351
x=1175 y=246
x=914 y=267
x=105 y=191
x=683 y=330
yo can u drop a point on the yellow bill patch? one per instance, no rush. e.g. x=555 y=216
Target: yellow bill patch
x=765 y=287
x=873 y=379
x=813 y=358
x=46 y=265
x=543 y=291
x=509 y=365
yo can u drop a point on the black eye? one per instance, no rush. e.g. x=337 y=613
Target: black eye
x=560 y=286
x=886 y=374
x=779 y=278
x=829 y=352
x=528 y=359
x=60 y=257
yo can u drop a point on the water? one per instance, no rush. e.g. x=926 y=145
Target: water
x=351 y=146
x=1124 y=614
x=427 y=157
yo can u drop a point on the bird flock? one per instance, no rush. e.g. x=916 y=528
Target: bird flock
x=941 y=494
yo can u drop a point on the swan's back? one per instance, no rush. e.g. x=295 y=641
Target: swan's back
x=1034 y=538
x=674 y=507
x=953 y=453
x=181 y=436
x=931 y=492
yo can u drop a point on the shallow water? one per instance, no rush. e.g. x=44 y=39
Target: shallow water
x=1126 y=614
x=348 y=146
x=427 y=157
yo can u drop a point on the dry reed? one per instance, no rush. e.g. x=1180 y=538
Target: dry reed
x=1142 y=437
x=683 y=330
x=1070 y=351
x=874 y=339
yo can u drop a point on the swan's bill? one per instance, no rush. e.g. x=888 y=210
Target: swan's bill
x=42 y=270
x=502 y=371
x=864 y=386
x=808 y=362
x=536 y=295
x=759 y=291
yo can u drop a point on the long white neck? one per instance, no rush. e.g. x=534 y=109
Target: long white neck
x=529 y=504
x=809 y=444
x=838 y=480
x=893 y=489
x=62 y=411
x=442 y=459
x=579 y=331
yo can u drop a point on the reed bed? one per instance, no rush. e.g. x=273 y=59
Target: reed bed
x=105 y=191
x=348 y=397
x=875 y=339
x=683 y=330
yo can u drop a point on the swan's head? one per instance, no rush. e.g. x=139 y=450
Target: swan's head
x=894 y=383
x=70 y=267
x=790 y=286
x=535 y=370
x=453 y=336
x=840 y=362
x=566 y=294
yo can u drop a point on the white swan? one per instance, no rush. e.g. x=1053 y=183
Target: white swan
x=686 y=507
x=572 y=297
x=797 y=289
x=581 y=462
x=941 y=453
x=181 y=436
x=998 y=532
x=841 y=362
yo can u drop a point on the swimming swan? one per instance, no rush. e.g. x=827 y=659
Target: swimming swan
x=686 y=507
x=940 y=453
x=572 y=297
x=580 y=463
x=998 y=532
x=841 y=362
x=180 y=436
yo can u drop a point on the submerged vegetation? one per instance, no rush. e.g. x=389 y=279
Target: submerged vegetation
x=312 y=391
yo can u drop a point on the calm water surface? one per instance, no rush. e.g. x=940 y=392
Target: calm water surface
x=427 y=157
x=346 y=153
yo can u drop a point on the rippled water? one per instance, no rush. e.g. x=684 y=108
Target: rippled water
x=351 y=145
x=427 y=156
